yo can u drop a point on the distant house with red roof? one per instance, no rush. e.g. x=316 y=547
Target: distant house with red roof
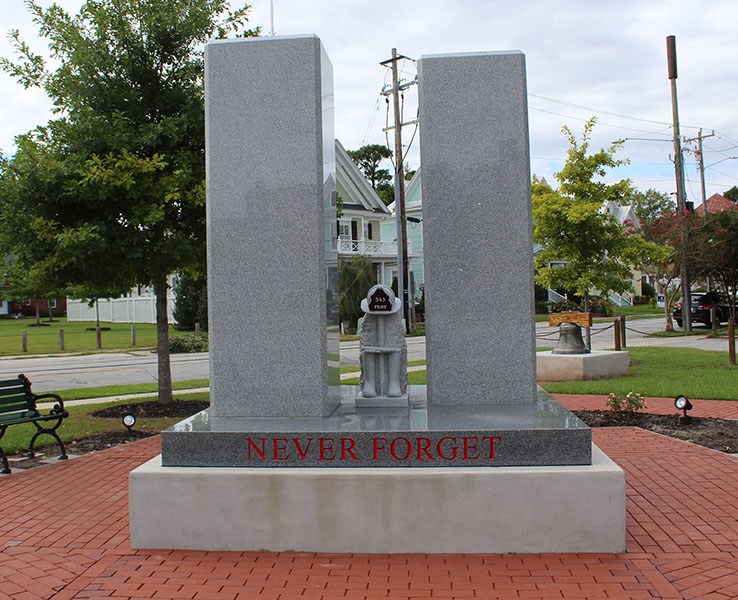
x=716 y=203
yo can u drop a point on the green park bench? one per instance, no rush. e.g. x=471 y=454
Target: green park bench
x=18 y=405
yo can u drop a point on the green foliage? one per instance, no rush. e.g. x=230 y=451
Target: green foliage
x=717 y=255
x=651 y=205
x=183 y=344
x=368 y=158
x=732 y=194
x=114 y=188
x=191 y=303
x=588 y=247
x=630 y=402
x=355 y=277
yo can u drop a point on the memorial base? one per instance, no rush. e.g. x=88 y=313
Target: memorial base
x=381 y=510
x=576 y=367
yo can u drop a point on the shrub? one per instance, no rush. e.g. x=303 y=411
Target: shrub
x=190 y=303
x=541 y=307
x=184 y=344
x=630 y=402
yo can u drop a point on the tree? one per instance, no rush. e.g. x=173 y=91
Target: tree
x=650 y=206
x=732 y=194
x=584 y=248
x=718 y=255
x=368 y=158
x=191 y=302
x=355 y=277
x=130 y=139
x=677 y=234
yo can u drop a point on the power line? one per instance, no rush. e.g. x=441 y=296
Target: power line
x=550 y=112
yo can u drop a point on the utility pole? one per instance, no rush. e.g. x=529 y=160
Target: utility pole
x=402 y=261
x=701 y=156
x=679 y=171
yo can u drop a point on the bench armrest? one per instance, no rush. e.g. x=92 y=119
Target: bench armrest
x=59 y=407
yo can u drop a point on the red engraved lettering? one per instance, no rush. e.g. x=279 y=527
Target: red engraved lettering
x=251 y=446
x=423 y=445
x=376 y=448
x=347 y=447
x=492 y=441
x=439 y=449
x=408 y=445
x=280 y=445
x=300 y=451
x=326 y=446
x=468 y=446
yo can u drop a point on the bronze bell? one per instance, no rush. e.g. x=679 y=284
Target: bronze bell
x=570 y=340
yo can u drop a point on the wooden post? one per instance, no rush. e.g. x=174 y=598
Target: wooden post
x=713 y=315
x=622 y=331
x=61 y=340
x=25 y=340
x=98 y=333
x=616 y=325
x=197 y=328
x=133 y=334
x=731 y=341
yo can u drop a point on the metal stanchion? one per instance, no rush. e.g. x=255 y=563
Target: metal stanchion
x=61 y=340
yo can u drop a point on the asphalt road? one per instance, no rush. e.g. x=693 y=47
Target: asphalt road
x=64 y=372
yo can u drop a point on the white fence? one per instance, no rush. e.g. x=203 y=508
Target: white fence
x=118 y=310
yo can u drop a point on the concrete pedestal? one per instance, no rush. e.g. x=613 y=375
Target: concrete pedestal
x=574 y=367
x=431 y=510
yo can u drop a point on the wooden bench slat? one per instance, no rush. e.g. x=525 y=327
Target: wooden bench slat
x=11 y=382
x=18 y=391
x=15 y=407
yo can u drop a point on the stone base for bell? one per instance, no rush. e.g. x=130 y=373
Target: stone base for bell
x=381 y=510
x=574 y=367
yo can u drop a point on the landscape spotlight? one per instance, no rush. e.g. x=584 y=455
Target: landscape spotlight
x=682 y=403
x=129 y=421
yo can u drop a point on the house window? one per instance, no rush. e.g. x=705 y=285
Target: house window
x=344 y=230
x=27 y=302
x=52 y=303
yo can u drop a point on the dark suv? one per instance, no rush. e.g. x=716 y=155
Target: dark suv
x=702 y=304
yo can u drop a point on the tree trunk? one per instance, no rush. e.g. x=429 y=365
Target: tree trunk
x=38 y=313
x=162 y=340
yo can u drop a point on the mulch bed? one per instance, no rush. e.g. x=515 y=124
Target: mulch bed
x=718 y=434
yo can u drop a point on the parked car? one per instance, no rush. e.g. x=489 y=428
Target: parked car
x=701 y=304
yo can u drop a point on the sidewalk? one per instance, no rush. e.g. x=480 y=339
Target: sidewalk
x=64 y=535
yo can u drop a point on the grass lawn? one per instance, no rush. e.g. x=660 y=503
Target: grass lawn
x=665 y=372
x=81 y=424
x=45 y=340
x=130 y=388
x=662 y=372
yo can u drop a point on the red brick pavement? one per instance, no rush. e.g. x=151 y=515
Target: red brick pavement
x=64 y=535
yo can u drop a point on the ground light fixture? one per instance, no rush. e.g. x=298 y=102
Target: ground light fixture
x=129 y=421
x=682 y=403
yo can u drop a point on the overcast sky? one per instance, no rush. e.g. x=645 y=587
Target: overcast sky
x=584 y=58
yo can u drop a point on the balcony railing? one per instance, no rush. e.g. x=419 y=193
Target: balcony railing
x=369 y=247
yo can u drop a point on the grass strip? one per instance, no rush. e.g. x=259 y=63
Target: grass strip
x=81 y=423
x=129 y=388
x=660 y=372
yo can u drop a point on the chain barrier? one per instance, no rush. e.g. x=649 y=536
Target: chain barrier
x=556 y=333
